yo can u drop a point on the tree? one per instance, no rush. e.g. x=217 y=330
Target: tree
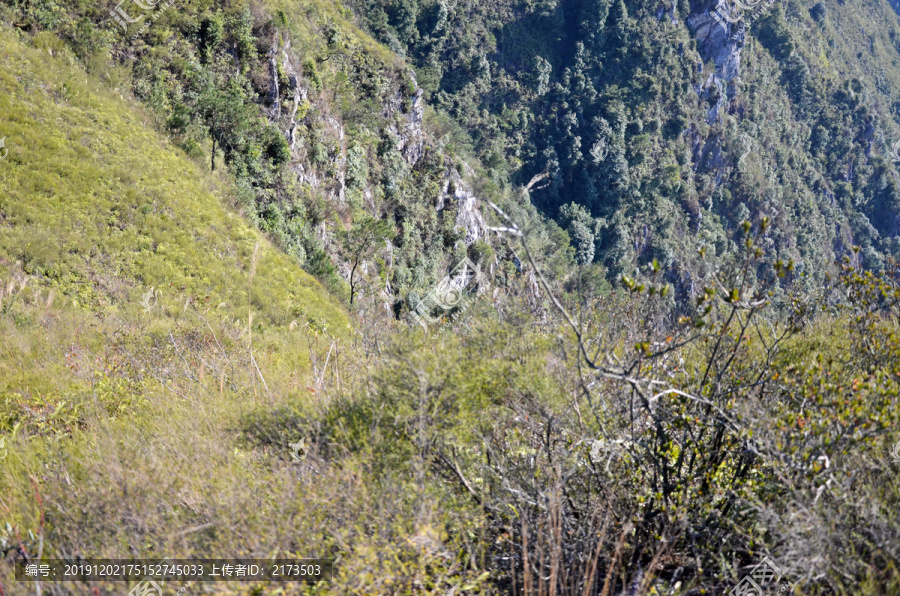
x=231 y=120
x=359 y=242
x=583 y=229
x=211 y=34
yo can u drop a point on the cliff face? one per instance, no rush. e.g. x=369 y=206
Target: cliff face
x=720 y=30
x=405 y=122
x=401 y=119
x=456 y=194
x=720 y=34
x=283 y=109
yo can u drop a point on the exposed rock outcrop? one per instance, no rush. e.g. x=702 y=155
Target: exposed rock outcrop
x=456 y=192
x=720 y=37
x=720 y=33
x=289 y=107
x=407 y=126
x=298 y=92
x=407 y=123
x=290 y=114
x=720 y=27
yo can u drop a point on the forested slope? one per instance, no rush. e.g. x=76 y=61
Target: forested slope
x=672 y=122
x=679 y=358
x=661 y=127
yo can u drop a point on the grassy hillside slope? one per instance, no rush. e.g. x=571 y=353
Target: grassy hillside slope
x=158 y=356
x=324 y=131
x=141 y=413
x=120 y=405
x=100 y=208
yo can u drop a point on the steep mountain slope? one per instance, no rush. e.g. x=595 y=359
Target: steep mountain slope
x=126 y=286
x=323 y=129
x=672 y=122
x=97 y=211
x=173 y=385
x=159 y=356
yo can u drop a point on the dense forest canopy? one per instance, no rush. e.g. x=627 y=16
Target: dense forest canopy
x=670 y=123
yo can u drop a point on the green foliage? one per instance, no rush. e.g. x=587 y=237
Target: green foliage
x=310 y=70
x=357 y=167
x=212 y=33
x=707 y=411
x=359 y=243
x=710 y=433
x=204 y=73
x=605 y=101
x=774 y=34
x=120 y=202
x=481 y=253
x=583 y=229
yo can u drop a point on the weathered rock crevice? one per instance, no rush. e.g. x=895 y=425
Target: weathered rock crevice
x=290 y=107
x=407 y=126
x=456 y=193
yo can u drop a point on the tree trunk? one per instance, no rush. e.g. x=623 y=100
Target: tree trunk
x=352 y=288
